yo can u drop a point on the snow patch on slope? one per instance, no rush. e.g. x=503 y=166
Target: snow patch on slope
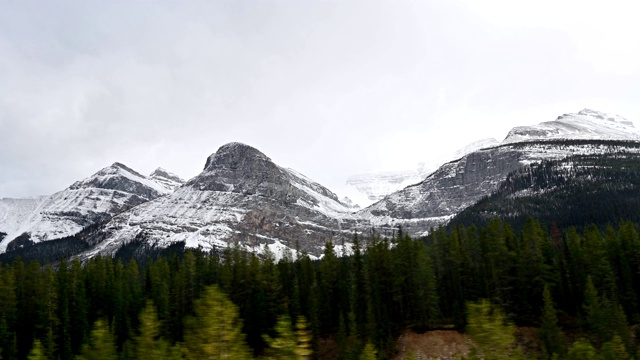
x=585 y=125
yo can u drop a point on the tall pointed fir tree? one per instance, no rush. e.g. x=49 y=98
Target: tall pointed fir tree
x=215 y=332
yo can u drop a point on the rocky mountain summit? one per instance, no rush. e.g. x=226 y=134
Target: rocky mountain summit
x=240 y=197
x=110 y=191
x=167 y=179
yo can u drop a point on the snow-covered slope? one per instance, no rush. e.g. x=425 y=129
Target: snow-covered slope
x=110 y=191
x=366 y=189
x=461 y=183
x=13 y=212
x=586 y=124
x=167 y=179
x=241 y=196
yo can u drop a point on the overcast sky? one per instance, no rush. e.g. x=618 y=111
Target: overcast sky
x=329 y=88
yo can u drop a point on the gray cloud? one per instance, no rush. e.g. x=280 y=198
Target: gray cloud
x=329 y=88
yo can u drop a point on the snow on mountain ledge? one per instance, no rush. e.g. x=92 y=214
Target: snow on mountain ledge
x=585 y=125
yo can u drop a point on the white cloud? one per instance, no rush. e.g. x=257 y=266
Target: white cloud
x=329 y=88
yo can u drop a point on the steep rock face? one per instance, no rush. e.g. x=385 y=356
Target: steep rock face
x=241 y=196
x=110 y=191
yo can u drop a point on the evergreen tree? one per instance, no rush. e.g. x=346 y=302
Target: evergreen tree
x=614 y=350
x=215 y=330
x=582 y=350
x=361 y=290
x=290 y=344
x=369 y=352
x=489 y=329
x=148 y=344
x=328 y=274
x=37 y=352
x=550 y=333
x=101 y=345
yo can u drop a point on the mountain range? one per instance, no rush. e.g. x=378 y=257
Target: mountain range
x=242 y=197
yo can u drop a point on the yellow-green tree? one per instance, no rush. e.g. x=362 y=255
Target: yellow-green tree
x=489 y=329
x=101 y=344
x=582 y=350
x=148 y=344
x=369 y=352
x=215 y=332
x=614 y=350
x=290 y=345
x=37 y=351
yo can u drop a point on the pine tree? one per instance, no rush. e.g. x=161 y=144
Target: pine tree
x=37 y=351
x=369 y=352
x=148 y=344
x=493 y=335
x=595 y=315
x=289 y=344
x=303 y=338
x=361 y=290
x=101 y=344
x=614 y=350
x=215 y=331
x=582 y=350
x=550 y=333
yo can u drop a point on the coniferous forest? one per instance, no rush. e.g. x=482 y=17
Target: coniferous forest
x=578 y=288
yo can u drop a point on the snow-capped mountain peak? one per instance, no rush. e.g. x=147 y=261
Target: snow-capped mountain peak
x=120 y=177
x=240 y=196
x=110 y=191
x=585 y=125
x=167 y=179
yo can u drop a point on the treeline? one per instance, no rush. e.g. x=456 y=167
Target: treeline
x=575 y=191
x=567 y=283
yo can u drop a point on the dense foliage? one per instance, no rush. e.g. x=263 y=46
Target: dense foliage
x=195 y=305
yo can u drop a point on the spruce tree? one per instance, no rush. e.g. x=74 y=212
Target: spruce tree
x=149 y=345
x=101 y=345
x=37 y=352
x=550 y=333
x=582 y=350
x=489 y=329
x=290 y=344
x=614 y=350
x=216 y=330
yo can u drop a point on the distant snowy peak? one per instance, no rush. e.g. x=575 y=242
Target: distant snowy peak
x=585 y=125
x=366 y=189
x=122 y=178
x=167 y=179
